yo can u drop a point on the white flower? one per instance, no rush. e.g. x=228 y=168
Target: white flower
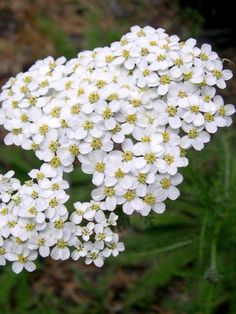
x=194 y=112
x=8 y=185
x=23 y=260
x=168 y=184
x=180 y=92
x=94 y=163
x=102 y=233
x=153 y=200
x=195 y=137
x=145 y=76
x=207 y=55
x=168 y=113
x=126 y=55
x=80 y=250
x=131 y=202
x=108 y=193
x=95 y=143
x=125 y=114
x=114 y=247
x=95 y=255
x=224 y=112
x=3 y=252
x=159 y=59
x=61 y=250
x=149 y=155
x=173 y=160
x=42 y=242
x=86 y=231
x=117 y=172
x=80 y=209
x=217 y=76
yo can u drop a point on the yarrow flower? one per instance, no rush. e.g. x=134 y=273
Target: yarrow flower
x=126 y=113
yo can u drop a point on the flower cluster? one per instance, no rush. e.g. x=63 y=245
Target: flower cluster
x=35 y=221
x=127 y=114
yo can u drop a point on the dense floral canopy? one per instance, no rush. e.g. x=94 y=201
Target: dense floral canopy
x=126 y=113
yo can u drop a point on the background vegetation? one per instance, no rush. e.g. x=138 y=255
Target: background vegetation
x=176 y=263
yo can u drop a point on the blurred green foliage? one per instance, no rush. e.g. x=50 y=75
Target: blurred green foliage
x=95 y=35
x=59 y=38
x=192 y=244
x=183 y=260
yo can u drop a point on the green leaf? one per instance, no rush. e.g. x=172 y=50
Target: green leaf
x=157 y=275
x=60 y=39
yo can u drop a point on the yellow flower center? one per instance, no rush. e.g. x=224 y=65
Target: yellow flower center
x=88 y=125
x=53 y=202
x=150 y=199
x=93 y=97
x=55 y=112
x=61 y=244
x=132 y=118
x=179 y=62
x=100 y=167
x=135 y=102
x=129 y=195
x=193 y=133
x=217 y=74
x=109 y=58
x=109 y=191
x=166 y=136
x=144 y=52
x=43 y=129
x=222 y=111
x=161 y=57
x=169 y=159
x=75 y=109
x=203 y=56
x=188 y=76
x=194 y=108
x=24 y=118
x=171 y=110
x=53 y=146
x=74 y=150
x=128 y=155
x=208 y=117
x=107 y=114
x=150 y=158
x=142 y=178
x=119 y=174
x=59 y=224
x=29 y=226
x=16 y=131
x=182 y=94
x=22 y=259
x=165 y=79
x=125 y=54
x=55 y=162
x=96 y=143
x=165 y=183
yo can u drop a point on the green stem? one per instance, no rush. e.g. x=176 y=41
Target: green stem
x=227 y=167
x=209 y=300
x=202 y=237
x=213 y=253
x=166 y=248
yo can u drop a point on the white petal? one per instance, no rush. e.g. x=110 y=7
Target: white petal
x=99 y=262
x=30 y=266
x=127 y=209
x=159 y=208
x=162 y=89
x=17 y=267
x=173 y=193
x=98 y=178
